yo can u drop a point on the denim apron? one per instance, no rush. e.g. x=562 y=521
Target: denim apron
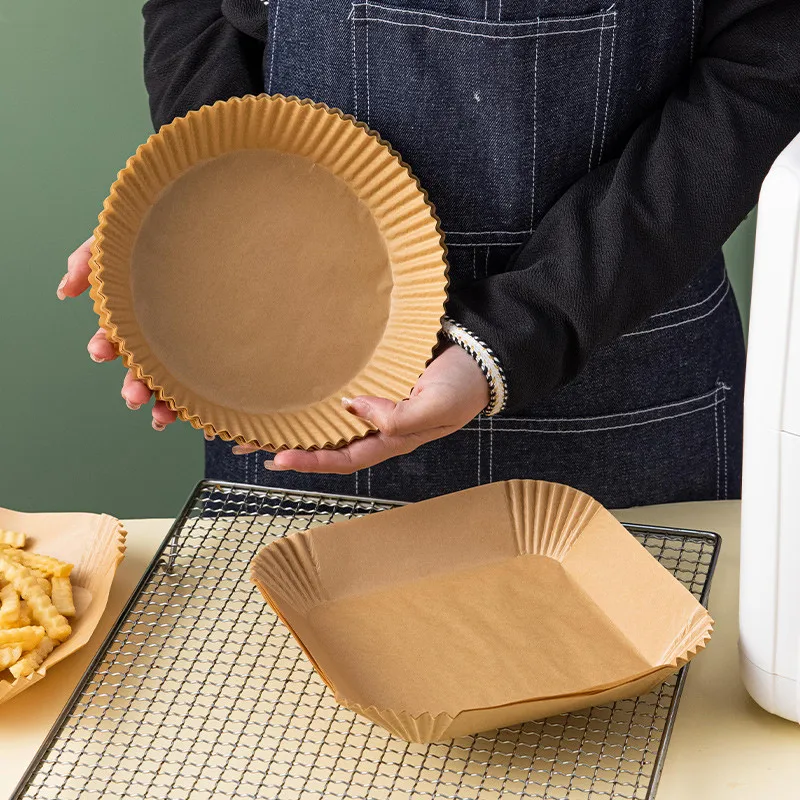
x=499 y=106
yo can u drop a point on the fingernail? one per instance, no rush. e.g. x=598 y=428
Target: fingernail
x=157 y=426
x=60 y=291
x=132 y=406
x=209 y=437
x=95 y=358
x=273 y=467
x=357 y=407
x=239 y=450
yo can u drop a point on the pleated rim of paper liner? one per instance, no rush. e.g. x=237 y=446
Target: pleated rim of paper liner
x=377 y=175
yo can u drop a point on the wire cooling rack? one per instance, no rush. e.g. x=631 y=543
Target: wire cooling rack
x=199 y=692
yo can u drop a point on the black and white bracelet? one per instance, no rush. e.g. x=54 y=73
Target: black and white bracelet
x=485 y=359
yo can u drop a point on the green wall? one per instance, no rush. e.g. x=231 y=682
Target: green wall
x=739 y=258
x=73 y=109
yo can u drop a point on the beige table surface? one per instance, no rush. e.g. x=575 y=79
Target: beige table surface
x=723 y=746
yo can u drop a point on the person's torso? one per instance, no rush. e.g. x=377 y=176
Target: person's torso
x=499 y=106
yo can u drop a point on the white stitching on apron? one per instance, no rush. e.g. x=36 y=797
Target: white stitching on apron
x=702 y=302
x=366 y=62
x=716 y=436
x=479 y=429
x=274 y=39
x=557 y=20
x=355 y=65
x=724 y=445
x=483 y=233
x=694 y=31
x=491 y=449
x=597 y=92
x=576 y=431
x=535 y=103
x=485 y=244
x=685 y=321
x=620 y=414
x=608 y=89
x=487 y=35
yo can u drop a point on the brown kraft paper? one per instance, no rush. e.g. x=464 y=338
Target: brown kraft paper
x=260 y=259
x=95 y=545
x=488 y=607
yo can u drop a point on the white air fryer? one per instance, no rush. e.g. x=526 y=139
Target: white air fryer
x=769 y=606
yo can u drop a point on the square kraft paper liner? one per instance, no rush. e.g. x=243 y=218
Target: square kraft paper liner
x=347 y=573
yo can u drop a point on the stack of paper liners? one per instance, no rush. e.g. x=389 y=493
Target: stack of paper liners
x=94 y=544
x=394 y=311
x=488 y=607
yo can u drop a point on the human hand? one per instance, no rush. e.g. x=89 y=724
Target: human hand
x=451 y=392
x=135 y=393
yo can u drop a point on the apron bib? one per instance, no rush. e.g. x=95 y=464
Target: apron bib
x=499 y=106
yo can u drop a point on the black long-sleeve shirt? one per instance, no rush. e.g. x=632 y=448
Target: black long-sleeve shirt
x=625 y=237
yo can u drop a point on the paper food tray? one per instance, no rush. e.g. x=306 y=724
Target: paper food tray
x=94 y=544
x=489 y=607
x=261 y=258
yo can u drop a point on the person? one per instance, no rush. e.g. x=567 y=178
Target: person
x=587 y=160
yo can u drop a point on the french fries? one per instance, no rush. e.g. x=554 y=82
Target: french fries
x=33 y=660
x=10 y=654
x=43 y=583
x=35 y=600
x=24 y=614
x=27 y=638
x=62 y=596
x=12 y=538
x=9 y=606
x=40 y=604
x=47 y=566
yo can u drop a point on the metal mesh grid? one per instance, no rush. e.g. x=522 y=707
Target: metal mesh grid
x=202 y=693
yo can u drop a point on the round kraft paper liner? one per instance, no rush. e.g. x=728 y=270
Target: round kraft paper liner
x=164 y=319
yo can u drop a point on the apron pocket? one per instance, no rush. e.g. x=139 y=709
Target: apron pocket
x=673 y=452
x=495 y=117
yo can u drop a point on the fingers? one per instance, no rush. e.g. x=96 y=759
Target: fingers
x=244 y=449
x=402 y=427
x=163 y=415
x=361 y=454
x=422 y=411
x=100 y=349
x=76 y=280
x=135 y=393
